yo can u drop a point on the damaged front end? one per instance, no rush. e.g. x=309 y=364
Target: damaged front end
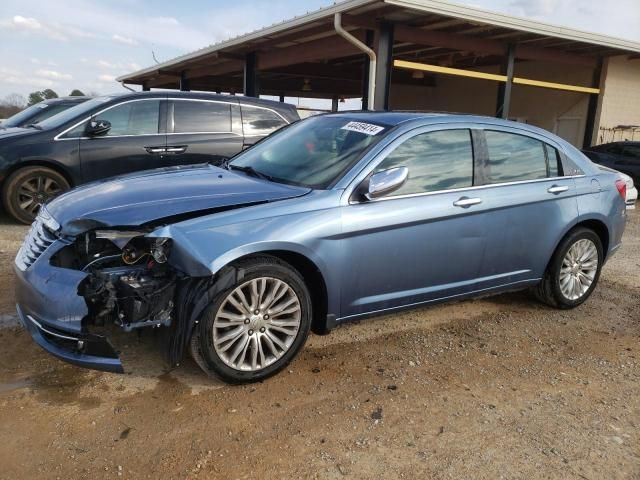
x=128 y=281
x=70 y=291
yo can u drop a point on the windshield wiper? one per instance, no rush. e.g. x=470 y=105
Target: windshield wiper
x=248 y=170
x=33 y=125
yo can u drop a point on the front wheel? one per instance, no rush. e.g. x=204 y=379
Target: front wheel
x=253 y=329
x=574 y=270
x=28 y=188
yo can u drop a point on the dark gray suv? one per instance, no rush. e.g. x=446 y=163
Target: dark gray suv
x=118 y=134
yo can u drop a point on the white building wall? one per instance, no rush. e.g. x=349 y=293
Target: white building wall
x=558 y=111
x=619 y=104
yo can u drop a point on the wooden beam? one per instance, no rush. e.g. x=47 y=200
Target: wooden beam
x=323 y=49
x=344 y=73
x=231 y=66
x=480 y=45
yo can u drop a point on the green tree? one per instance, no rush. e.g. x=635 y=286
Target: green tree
x=76 y=93
x=49 y=94
x=38 y=96
x=35 y=97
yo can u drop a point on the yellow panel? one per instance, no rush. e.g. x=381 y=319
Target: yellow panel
x=491 y=76
x=557 y=86
x=449 y=71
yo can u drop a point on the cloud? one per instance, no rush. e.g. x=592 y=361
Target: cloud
x=119 y=66
x=11 y=76
x=536 y=8
x=104 y=64
x=167 y=21
x=124 y=40
x=54 y=31
x=106 y=78
x=52 y=74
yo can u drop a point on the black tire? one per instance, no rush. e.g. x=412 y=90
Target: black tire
x=203 y=348
x=36 y=178
x=549 y=290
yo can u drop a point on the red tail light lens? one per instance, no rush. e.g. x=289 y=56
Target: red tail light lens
x=621 y=185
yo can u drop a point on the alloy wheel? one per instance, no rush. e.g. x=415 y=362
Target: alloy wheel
x=256 y=324
x=36 y=191
x=579 y=268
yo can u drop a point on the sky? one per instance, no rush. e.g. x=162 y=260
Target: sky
x=67 y=44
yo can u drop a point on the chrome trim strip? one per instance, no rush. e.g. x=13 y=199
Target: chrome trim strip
x=37 y=324
x=465 y=189
x=204 y=133
x=237 y=103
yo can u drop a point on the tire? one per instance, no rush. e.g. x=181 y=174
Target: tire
x=36 y=185
x=552 y=290
x=254 y=334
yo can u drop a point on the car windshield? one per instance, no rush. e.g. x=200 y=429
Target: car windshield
x=34 y=114
x=314 y=153
x=73 y=112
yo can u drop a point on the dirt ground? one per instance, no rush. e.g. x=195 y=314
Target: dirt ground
x=501 y=387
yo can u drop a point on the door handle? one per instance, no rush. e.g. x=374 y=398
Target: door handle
x=465 y=202
x=176 y=149
x=555 y=189
x=154 y=149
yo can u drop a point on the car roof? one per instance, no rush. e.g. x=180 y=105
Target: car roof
x=393 y=118
x=73 y=99
x=287 y=110
x=204 y=95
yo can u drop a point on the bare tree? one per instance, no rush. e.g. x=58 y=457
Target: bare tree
x=11 y=104
x=15 y=100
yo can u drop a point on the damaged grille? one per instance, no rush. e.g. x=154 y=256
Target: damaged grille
x=35 y=243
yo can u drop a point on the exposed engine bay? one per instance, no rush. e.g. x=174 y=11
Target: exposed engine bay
x=129 y=282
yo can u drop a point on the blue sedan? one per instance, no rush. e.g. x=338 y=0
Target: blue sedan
x=335 y=218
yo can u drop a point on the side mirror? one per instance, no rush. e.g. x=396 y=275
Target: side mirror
x=96 y=128
x=385 y=182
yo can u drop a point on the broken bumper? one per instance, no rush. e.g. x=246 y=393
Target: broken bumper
x=83 y=350
x=51 y=310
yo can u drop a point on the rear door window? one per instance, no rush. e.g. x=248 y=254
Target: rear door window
x=440 y=160
x=196 y=116
x=514 y=157
x=260 y=121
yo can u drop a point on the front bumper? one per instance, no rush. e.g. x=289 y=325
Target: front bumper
x=51 y=309
x=83 y=350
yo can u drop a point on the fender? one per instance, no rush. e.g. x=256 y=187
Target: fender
x=202 y=250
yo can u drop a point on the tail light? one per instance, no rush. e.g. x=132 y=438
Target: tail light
x=621 y=185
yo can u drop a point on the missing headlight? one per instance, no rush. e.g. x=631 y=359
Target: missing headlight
x=160 y=249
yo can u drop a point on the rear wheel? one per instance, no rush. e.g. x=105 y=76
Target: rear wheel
x=573 y=271
x=25 y=190
x=253 y=329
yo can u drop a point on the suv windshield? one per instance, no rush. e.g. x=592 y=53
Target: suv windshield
x=73 y=112
x=314 y=153
x=34 y=114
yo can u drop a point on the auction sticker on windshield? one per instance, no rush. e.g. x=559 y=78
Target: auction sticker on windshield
x=366 y=128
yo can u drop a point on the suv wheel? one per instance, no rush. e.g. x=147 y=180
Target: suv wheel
x=253 y=329
x=28 y=188
x=573 y=271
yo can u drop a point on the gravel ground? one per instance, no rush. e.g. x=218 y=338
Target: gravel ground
x=501 y=387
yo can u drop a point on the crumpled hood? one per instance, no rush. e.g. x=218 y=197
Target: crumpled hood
x=151 y=196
